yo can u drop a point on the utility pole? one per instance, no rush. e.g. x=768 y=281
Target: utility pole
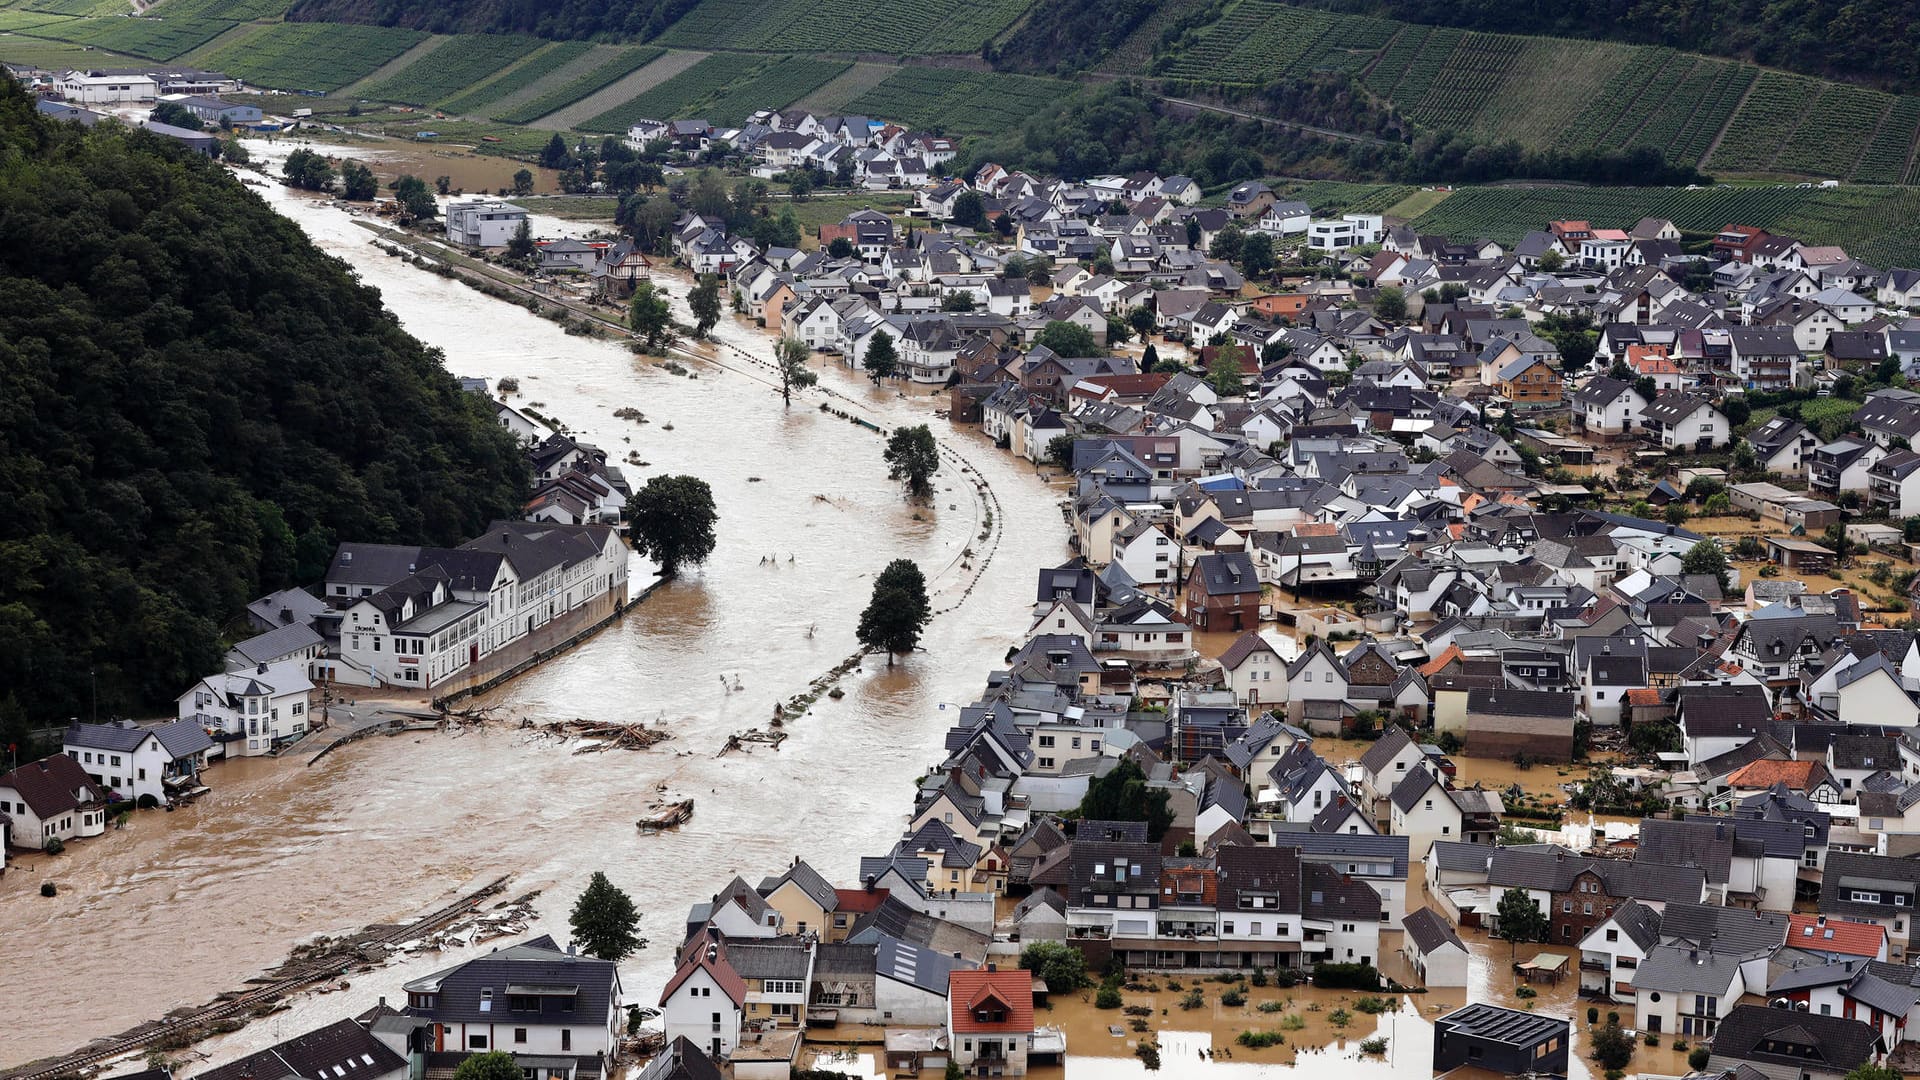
x=93 y=689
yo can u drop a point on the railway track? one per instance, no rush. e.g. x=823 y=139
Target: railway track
x=244 y=1003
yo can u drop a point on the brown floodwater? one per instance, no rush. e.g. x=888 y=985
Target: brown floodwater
x=178 y=907
x=466 y=170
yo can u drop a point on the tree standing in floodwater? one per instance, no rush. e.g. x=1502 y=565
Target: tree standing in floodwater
x=913 y=456
x=898 y=612
x=672 y=521
x=791 y=355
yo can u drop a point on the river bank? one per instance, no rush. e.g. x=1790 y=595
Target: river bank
x=279 y=853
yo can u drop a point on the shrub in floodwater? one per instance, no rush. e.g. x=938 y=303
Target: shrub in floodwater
x=1339 y=1018
x=1525 y=992
x=47 y=888
x=1107 y=998
x=1234 y=997
x=1374 y=1006
x=1149 y=1055
x=1374 y=1045
x=1259 y=1040
x=1259 y=977
x=1271 y=1006
x=1194 y=999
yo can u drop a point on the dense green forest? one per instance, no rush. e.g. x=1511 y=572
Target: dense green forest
x=1121 y=127
x=195 y=402
x=1869 y=41
x=1065 y=36
x=559 y=19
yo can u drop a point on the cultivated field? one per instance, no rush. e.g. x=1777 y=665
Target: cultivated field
x=897 y=27
x=680 y=96
x=958 y=102
x=453 y=67
x=522 y=77
x=312 y=56
x=582 y=86
x=151 y=38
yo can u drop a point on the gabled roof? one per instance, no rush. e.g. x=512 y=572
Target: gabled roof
x=1757 y=1033
x=1009 y=991
x=1430 y=932
x=342 y=1049
x=53 y=786
x=1817 y=933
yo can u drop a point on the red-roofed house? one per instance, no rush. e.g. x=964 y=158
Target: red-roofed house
x=1837 y=937
x=51 y=799
x=1808 y=778
x=990 y=1020
x=706 y=997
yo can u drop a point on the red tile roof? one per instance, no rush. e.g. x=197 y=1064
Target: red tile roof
x=1008 y=991
x=1766 y=773
x=1819 y=934
x=696 y=957
x=859 y=901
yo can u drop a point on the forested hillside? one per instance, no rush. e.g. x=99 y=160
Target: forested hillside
x=1870 y=41
x=195 y=402
x=563 y=19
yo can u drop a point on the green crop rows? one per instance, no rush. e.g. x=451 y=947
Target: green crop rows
x=1474 y=71
x=152 y=38
x=890 y=26
x=1885 y=159
x=1399 y=55
x=958 y=101
x=79 y=7
x=1880 y=225
x=680 y=96
x=1426 y=66
x=1633 y=94
x=1758 y=131
x=1837 y=129
x=1259 y=40
x=1336 y=196
x=27 y=20
x=229 y=10
x=537 y=67
x=598 y=79
x=773 y=87
x=312 y=56
x=453 y=66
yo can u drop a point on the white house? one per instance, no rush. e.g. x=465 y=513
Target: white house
x=1148 y=555
x=1686 y=990
x=248 y=713
x=705 y=1000
x=1434 y=949
x=1255 y=671
x=483 y=223
x=108 y=87
x=1612 y=951
x=1686 y=422
x=1608 y=407
x=51 y=799
x=136 y=762
x=557 y=1012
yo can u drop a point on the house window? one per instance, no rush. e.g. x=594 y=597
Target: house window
x=476 y=1042
x=1046 y=763
x=519 y=1036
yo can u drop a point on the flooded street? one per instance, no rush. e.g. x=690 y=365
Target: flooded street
x=178 y=907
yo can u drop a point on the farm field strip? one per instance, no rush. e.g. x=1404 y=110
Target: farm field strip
x=1636 y=83
x=228 y=10
x=1476 y=70
x=535 y=67
x=775 y=86
x=678 y=97
x=1758 y=132
x=453 y=67
x=833 y=95
x=148 y=37
x=1396 y=58
x=312 y=56
x=959 y=101
x=1884 y=161
x=586 y=85
x=1835 y=132
x=886 y=26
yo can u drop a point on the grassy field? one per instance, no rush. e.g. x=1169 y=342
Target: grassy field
x=453 y=67
x=775 y=86
x=958 y=102
x=55 y=55
x=234 y=10
x=312 y=56
x=152 y=38
x=1880 y=225
x=900 y=27
x=1336 y=196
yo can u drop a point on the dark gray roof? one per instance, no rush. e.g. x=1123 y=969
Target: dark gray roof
x=1554 y=870
x=1639 y=922
x=681 y=1060
x=1732 y=931
x=776 y=958
x=908 y=963
x=1495 y=1023
x=1336 y=849
x=180 y=738
x=1680 y=970
x=1707 y=845
x=342 y=1045
x=1847 y=871
x=278 y=642
x=1430 y=931
x=1509 y=702
x=1833 y=1041
x=810 y=882
x=1459 y=855
x=476 y=992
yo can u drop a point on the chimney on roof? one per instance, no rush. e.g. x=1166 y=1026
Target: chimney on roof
x=263 y=669
x=713 y=952
x=993 y=967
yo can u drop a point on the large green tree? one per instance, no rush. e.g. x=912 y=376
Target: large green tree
x=1520 y=918
x=1062 y=966
x=196 y=405
x=913 y=455
x=649 y=315
x=671 y=520
x=790 y=358
x=605 y=923
x=898 y=611
x=357 y=182
x=882 y=360
x=415 y=199
x=1123 y=795
x=704 y=300
x=1068 y=339
x=1706 y=557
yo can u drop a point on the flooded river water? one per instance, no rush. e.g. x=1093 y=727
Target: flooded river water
x=178 y=907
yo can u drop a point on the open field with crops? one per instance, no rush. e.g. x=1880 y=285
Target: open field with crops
x=681 y=96
x=454 y=66
x=151 y=38
x=590 y=81
x=900 y=27
x=774 y=86
x=1880 y=225
x=958 y=102
x=233 y=10
x=1553 y=93
x=521 y=77
x=312 y=56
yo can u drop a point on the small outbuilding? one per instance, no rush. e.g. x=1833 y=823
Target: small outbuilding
x=1501 y=1040
x=1434 y=949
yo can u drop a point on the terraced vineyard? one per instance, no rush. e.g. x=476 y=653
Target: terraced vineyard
x=536 y=67
x=1258 y=40
x=1697 y=106
x=231 y=10
x=1829 y=141
x=1880 y=225
x=621 y=66
x=775 y=86
x=1641 y=82
x=1399 y=55
x=80 y=7
x=454 y=65
x=152 y=38
x=27 y=20
x=1336 y=196
x=889 y=26
x=958 y=102
x=1885 y=159
x=312 y=56
x=680 y=96
x=1761 y=128
x=1474 y=72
